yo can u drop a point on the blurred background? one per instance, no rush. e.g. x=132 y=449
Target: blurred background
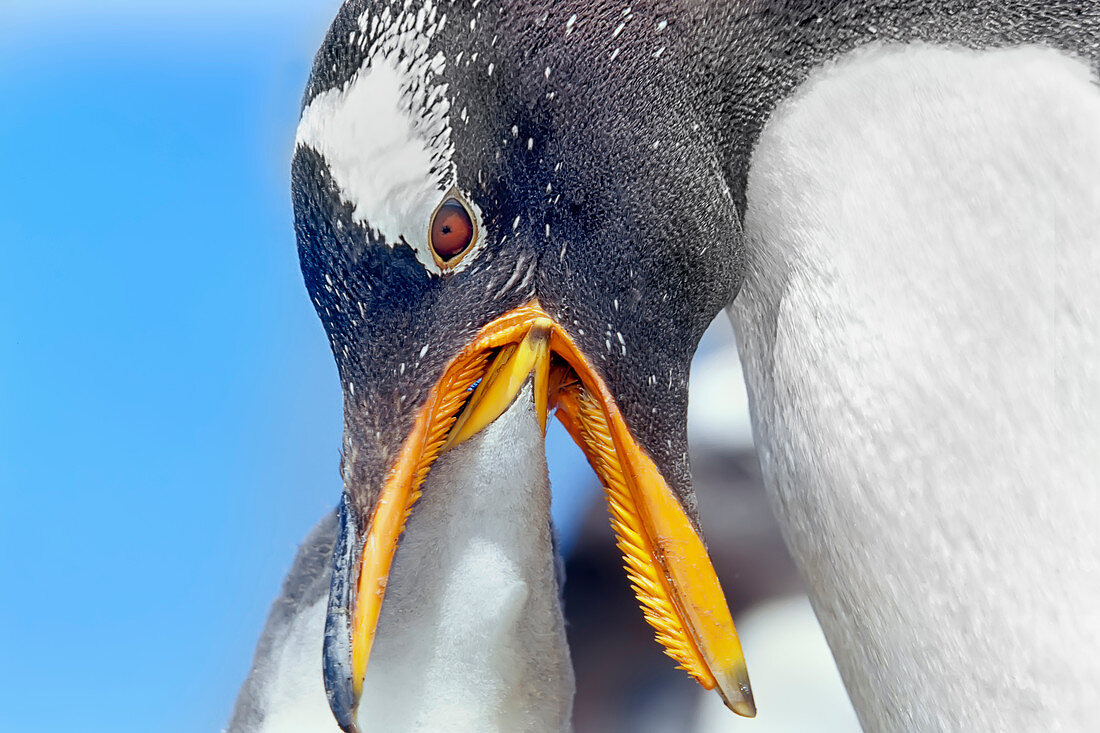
x=170 y=412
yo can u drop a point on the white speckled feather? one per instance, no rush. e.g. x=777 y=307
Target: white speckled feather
x=386 y=134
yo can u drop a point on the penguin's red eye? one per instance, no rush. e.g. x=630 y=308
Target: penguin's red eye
x=452 y=231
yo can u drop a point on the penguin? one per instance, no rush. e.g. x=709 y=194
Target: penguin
x=508 y=212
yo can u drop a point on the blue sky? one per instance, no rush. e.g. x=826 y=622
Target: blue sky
x=169 y=410
x=169 y=413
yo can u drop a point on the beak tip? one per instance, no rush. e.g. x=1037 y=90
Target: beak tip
x=343 y=697
x=744 y=708
x=737 y=694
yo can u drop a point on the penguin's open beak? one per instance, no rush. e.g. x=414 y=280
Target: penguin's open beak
x=665 y=558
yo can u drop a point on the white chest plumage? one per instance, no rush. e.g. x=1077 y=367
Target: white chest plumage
x=920 y=331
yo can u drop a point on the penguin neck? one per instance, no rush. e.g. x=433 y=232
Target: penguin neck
x=471 y=634
x=916 y=327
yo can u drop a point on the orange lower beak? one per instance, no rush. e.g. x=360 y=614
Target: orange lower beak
x=666 y=560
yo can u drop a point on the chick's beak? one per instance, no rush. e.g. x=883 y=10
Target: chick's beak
x=665 y=558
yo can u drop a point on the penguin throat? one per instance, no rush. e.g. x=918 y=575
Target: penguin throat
x=471 y=634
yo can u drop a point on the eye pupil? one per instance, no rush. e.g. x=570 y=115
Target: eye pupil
x=452 y=230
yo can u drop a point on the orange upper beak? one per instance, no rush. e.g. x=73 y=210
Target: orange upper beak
x=666 y=560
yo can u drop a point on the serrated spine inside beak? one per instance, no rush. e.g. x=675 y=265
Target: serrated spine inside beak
x=396 y=501
x=502 y=366
x=649 y=585
x=665 y=560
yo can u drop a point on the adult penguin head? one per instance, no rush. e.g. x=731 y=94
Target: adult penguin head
x=477 y=210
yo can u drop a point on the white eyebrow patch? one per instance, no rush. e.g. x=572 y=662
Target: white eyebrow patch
x=386 y=137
